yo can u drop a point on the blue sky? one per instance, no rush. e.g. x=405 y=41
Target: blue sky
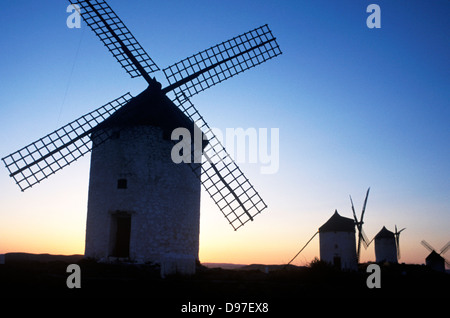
x=355 y=107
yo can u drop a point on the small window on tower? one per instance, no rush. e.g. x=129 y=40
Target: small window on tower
x=122 y=184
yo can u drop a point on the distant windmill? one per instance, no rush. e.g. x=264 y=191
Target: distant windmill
x=337 y=239
x=387 y=247
x=142 y=206
x=336 y=242
x=435 y=260
x=362 y=237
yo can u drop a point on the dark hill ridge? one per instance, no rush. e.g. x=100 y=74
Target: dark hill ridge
x=42 y=258
x=44 y=275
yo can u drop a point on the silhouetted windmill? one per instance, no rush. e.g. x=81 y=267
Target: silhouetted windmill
x=362 y=237
x=387 y=245
x=435 y=260
x=336 y=242
x=136 y=192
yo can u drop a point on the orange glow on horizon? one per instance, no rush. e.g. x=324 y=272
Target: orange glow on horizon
x=211 y=252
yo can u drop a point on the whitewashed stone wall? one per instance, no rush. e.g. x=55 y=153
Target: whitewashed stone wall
x=163 y=199
x=339 y=244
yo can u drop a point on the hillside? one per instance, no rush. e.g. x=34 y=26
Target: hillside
x=45 y=276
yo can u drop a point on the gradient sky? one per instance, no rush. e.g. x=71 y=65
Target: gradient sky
x=355 y=107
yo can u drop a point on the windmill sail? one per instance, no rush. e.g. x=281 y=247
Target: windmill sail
x=221 y=177
x=397 y=240
x=362 y=237
x=445 y=248
x=51 y=153
x=224 y=181
x=427 y=246
x=117 y=38
x=220 y=62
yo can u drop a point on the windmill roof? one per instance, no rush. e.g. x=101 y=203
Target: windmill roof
x=384 y=233
x=338 y=223
x=151 y=107
x=433 y=256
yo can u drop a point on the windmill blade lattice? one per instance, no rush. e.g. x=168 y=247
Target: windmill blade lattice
x=51 y=153
x=220 y=62
x=116 y=37
x=224 y=181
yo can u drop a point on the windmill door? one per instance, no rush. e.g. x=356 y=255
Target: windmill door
x=337 y=262
x=121 y=230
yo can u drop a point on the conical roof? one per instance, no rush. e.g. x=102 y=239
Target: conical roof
x=338 y=223
x=151 y=107
x=434 y=257
x=384 y=233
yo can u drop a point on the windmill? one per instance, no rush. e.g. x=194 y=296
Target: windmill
x=435 y=260
x=387 y=246
x=362 y=237
x=336 y=242
x=337 y=239
x=105 y=130
x=397 y=240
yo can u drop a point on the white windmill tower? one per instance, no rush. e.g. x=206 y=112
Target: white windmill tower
x=337 y=242
x=387 y=245
x=142 y=206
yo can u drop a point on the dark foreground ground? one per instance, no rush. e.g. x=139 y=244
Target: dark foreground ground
x=24 y=276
